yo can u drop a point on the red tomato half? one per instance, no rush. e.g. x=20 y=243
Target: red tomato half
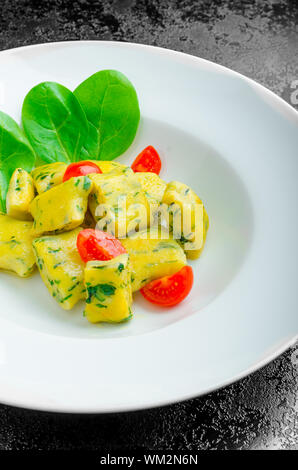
x=97 y=245
x=148 y=160
x=169 y=290
x=80 y=169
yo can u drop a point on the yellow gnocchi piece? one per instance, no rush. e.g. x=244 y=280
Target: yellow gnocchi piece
x=16 y=252
x=61 y=267
x=112 y=168
x=20 y=194
x=118 y=196
x=63 y=207
x=108 y=286
x=46 y=177
x=152 y=258
x=153 y=186
x=182 y=196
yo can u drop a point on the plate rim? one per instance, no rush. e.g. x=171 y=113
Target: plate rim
x=276 y=352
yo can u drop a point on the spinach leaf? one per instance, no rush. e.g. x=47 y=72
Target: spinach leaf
x=15 y=152
x=54 y=123
x=111 y=106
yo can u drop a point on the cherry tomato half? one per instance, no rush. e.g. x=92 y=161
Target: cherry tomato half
x=147 y=160
x=97 y=245
x=80 y=169
x=169 y=290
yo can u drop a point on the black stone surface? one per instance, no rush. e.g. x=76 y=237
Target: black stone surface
x=257 y=38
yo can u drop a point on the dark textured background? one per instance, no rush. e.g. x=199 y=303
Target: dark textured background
x=255 y=37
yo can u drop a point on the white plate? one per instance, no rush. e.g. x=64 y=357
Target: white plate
x=236 y=144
